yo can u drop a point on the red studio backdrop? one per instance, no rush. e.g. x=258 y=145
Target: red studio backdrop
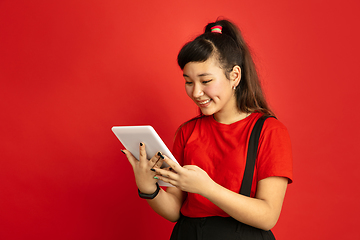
x=70 y=70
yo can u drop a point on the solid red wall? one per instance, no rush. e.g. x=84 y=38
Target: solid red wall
x=70 y=70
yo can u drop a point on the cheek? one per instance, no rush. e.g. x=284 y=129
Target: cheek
x=215 y=90
x=188 y=91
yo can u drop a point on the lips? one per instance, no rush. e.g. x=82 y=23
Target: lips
x=204 y=103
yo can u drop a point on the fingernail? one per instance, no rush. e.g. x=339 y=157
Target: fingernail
x=122 y=151
x=160 y=155
x=156 y=177
x=152 y=169
x=141 y=144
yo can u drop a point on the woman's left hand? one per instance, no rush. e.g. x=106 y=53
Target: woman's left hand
x=189 y=178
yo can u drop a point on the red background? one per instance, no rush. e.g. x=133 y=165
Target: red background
x=70 y=70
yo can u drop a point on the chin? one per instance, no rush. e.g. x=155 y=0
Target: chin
x=207 y=112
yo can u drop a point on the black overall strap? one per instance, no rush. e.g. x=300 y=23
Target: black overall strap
x=251 y=156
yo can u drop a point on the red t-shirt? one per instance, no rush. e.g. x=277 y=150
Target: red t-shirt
x=220 y=150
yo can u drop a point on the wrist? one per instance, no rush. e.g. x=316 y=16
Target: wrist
x=211 y=190
x=151 y=195
x=146 y=186
x=148 y=189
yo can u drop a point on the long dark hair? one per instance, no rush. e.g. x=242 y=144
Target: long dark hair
x=230 y=48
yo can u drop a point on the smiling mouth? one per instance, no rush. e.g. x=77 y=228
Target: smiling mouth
x=204 y=102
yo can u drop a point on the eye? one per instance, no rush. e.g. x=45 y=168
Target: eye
x=188 y=83
x=207 y=81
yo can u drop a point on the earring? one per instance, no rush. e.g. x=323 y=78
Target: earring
x=234 y=87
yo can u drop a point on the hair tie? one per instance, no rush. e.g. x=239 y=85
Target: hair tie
x=216 y=29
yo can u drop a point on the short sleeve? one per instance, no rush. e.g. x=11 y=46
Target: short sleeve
x=178 y=147
x=274 y=151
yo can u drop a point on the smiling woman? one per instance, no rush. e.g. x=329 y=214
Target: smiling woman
x=208 y=87
x=206 y=200
x=230 y=53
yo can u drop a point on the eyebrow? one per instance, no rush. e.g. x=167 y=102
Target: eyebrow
x=200 y=75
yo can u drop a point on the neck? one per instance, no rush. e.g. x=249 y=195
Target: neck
x=229 y=118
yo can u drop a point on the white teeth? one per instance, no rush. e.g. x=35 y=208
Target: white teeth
x=205 y=102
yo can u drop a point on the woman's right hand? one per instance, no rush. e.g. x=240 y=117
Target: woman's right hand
x=144 y=177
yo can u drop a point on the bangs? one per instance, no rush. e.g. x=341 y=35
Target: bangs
x=198 y=50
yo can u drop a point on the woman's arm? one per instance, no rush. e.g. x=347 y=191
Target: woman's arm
x=168 y=203
x=262 y=211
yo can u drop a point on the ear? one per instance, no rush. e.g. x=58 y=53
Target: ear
x=235 y=76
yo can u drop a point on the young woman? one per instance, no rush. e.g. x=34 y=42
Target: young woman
x=220 y=77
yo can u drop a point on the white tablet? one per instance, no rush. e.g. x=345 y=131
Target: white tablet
x=131 y=136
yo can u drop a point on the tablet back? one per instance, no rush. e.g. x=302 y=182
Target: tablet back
x=131 y=136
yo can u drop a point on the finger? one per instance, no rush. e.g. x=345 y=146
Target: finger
x=167 y=180
x=160 y=162
x=175 y=166
x=155 y=159
x=130 y=157
x=142 y=151
x=166 y=173
x=169 y=169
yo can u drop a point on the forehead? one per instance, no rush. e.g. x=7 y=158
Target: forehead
x=198 y=69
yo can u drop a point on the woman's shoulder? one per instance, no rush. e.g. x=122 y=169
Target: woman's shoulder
x=185 y=130
x=273 y=123
x=274 y=131
x=190 y=124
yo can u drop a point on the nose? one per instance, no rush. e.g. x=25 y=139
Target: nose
x=197 y=91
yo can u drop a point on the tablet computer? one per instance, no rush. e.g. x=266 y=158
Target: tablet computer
x=131 y=136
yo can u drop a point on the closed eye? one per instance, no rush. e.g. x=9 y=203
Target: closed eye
x=188 y=83
x=205 y=82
